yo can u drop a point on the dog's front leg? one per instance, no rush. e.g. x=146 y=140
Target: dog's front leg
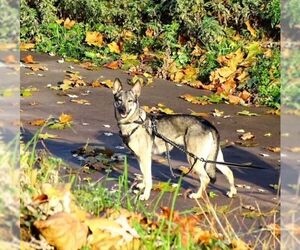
x=145 y=166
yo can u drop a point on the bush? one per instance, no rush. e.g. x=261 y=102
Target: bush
x=265 y=77
x=170 y=28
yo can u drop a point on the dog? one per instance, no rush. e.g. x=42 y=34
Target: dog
x=195 y=134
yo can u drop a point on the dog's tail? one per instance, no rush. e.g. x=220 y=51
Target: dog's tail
x=211 y=167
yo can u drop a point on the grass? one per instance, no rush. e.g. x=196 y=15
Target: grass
x=167 y=230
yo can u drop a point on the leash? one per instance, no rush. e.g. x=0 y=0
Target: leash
x=167 y=141
x=196 y=158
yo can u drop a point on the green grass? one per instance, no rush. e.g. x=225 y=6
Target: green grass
x=96 y=197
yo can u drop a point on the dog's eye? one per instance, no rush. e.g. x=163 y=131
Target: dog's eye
x=130 y=101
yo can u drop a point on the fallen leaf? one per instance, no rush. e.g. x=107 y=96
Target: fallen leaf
x=217 y=113
x=274 y=149
x=247 y=136
x=240 y=130
x=247 y=113
x=37 y=122
x=247 y=143
x=249 y=207
x=212 y=194
x=238 y=244
x=274 y=228
x=46 y=136
x=234 y=99
x=113 y=65
x=63 y=231
x=37 y=67
x=273 y=112
x=184 y=169
x=164 y=186
x=107 y=83
x=200 y=114
x=28 y=59
x=88 y=65
x=96 y=84
x=68 y=24
x=195 y=99
x=245 y=95
x=94 y=38
x=81 y=101
x=65 y=118
x=163 y=109
x=26 y=46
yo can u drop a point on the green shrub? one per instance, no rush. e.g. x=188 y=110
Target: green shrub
x=264 y=80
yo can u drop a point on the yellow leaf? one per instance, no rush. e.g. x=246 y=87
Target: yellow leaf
x=65 y=118
x=68 y=24
x=94 y=38
x=250 y=29
x=163 y=109
x=81 y=101
x=184 y=169
x=238 y=244
x=38 y=122
x=178 y=76
x=234 y=99
x=274 y=149
x=190 y=74
x=63 y=231
x=107 y=83
x=114 y=48
x=247 y=136
x=96 y=84
x=26 y=46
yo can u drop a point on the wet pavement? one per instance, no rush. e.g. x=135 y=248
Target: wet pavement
x=43 y=103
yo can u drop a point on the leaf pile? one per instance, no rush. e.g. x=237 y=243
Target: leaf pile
x=72 y=80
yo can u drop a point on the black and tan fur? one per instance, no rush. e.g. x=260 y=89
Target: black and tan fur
x=195 y=134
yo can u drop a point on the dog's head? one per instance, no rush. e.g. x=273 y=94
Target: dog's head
x=126 y=101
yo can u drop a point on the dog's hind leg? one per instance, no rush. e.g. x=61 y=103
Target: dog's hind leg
x=225 y=170
x=194 y=146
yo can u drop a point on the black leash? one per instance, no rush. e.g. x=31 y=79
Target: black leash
x=168 y=141
x=157 y=134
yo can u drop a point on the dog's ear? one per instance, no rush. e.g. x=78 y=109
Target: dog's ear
x=136 y=89
x=117 y=86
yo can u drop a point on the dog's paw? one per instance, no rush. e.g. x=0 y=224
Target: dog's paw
x=231 y=193
x=145 y=196
x=194 y=196
x=140 y=186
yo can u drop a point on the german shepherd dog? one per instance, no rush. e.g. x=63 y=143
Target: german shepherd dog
x=196 y=135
